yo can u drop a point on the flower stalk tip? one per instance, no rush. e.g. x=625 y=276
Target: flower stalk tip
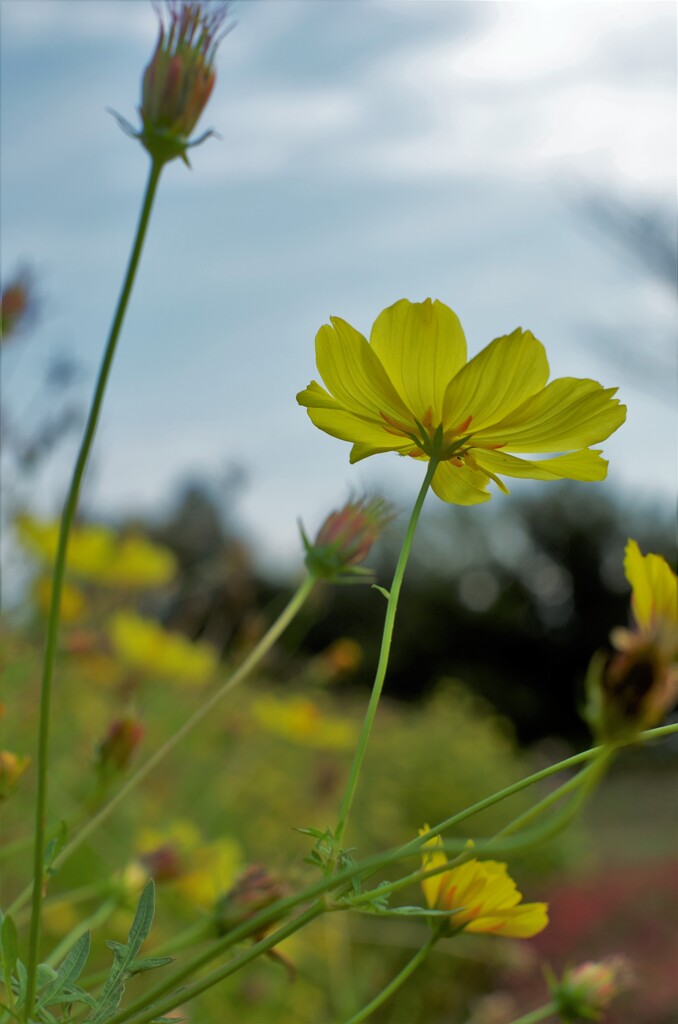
x=584 y=992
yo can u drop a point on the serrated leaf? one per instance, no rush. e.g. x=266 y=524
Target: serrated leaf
x=68 y=972
x=124 y=956
x=308 y=831
x=74 y=994
x=22 y=976
x=149 y=963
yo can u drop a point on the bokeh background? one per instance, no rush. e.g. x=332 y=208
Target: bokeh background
x=516 y=161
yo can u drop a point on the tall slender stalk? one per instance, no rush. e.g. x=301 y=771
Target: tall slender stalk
x=382 y=665
x=67 y=517
x=393 y=986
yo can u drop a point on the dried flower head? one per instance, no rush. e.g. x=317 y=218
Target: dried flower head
x=180 y=76
x=118 y=746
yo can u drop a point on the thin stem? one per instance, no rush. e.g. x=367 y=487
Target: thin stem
x=184 y=995
x=100 y=915
x=382 y=665
x=67 y=517
x=543 y=1013
x=241 y=673
x=395 y=984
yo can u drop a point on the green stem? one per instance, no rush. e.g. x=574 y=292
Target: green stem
x=369 y=866
x=184 y=995
x=543 y=1013
x=67 y=517
x=250 y=662
x=382 y=665
x=395 y=984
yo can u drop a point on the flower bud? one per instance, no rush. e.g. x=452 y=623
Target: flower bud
x=120 y=743
x=180 y=76
x=164 y=863
x=585 y=991
x=345 y=539
x=17 y=305
x=254 y=890
x=12 y=768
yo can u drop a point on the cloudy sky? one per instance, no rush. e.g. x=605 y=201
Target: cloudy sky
x=369 y=150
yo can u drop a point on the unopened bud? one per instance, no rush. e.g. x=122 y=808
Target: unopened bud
x=585 y=991
x=164 y=863
x=346 y=538
x=12 y=768
x=120 y=743
x=17 y=305
x=254 y=890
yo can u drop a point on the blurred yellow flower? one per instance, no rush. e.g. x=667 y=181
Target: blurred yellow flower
x=72 y=600
x=200 y=871
x=12 y=767
x=636 y=685
x=411 y=391
x=300 y=720
x=144 y=645
x=100 y=555
x=480 y=895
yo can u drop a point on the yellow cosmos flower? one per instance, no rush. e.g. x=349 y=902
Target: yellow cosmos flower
x=410 y=390
x=144 y=645
x=633 y=687
x=200 y=871
x=480 y=895
x=300 y=720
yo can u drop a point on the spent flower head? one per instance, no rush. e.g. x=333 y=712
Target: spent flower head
x=480 y=896
x=411 y=391
x=180 y=76
x=584 y=992
x=346 y=538
x=634 y=686
x=122 y=739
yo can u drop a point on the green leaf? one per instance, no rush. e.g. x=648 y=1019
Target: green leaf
x=69 y=971
x=382 y=590
x=124 y=956
x=149 y=963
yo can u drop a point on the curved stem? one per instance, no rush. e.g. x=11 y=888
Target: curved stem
x=241 y=673
x=67 y=517
x=543 y=1013
x=395 y=984
x=154 y=1010
x=382 y=665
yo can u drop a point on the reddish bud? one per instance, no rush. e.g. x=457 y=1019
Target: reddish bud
x=585 y=991
x=164 y=863
x=120 y=743
x=254 y=890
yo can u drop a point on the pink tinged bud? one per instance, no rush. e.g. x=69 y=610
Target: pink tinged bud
x=120 y=743
x=346 y=538
x=585 y=991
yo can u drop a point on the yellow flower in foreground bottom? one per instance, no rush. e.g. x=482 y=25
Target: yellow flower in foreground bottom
x=410 y=390
x=481 y=896
x=144 y=645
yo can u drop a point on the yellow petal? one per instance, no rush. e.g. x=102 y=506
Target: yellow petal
x=349 y=427
x=500 y=378
x=421 y=345
x=567 y=414
x=583 y=465
x=353 y=374
x=521 y=922
x=654 y=585
x=460 y=485
x=432 y=857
